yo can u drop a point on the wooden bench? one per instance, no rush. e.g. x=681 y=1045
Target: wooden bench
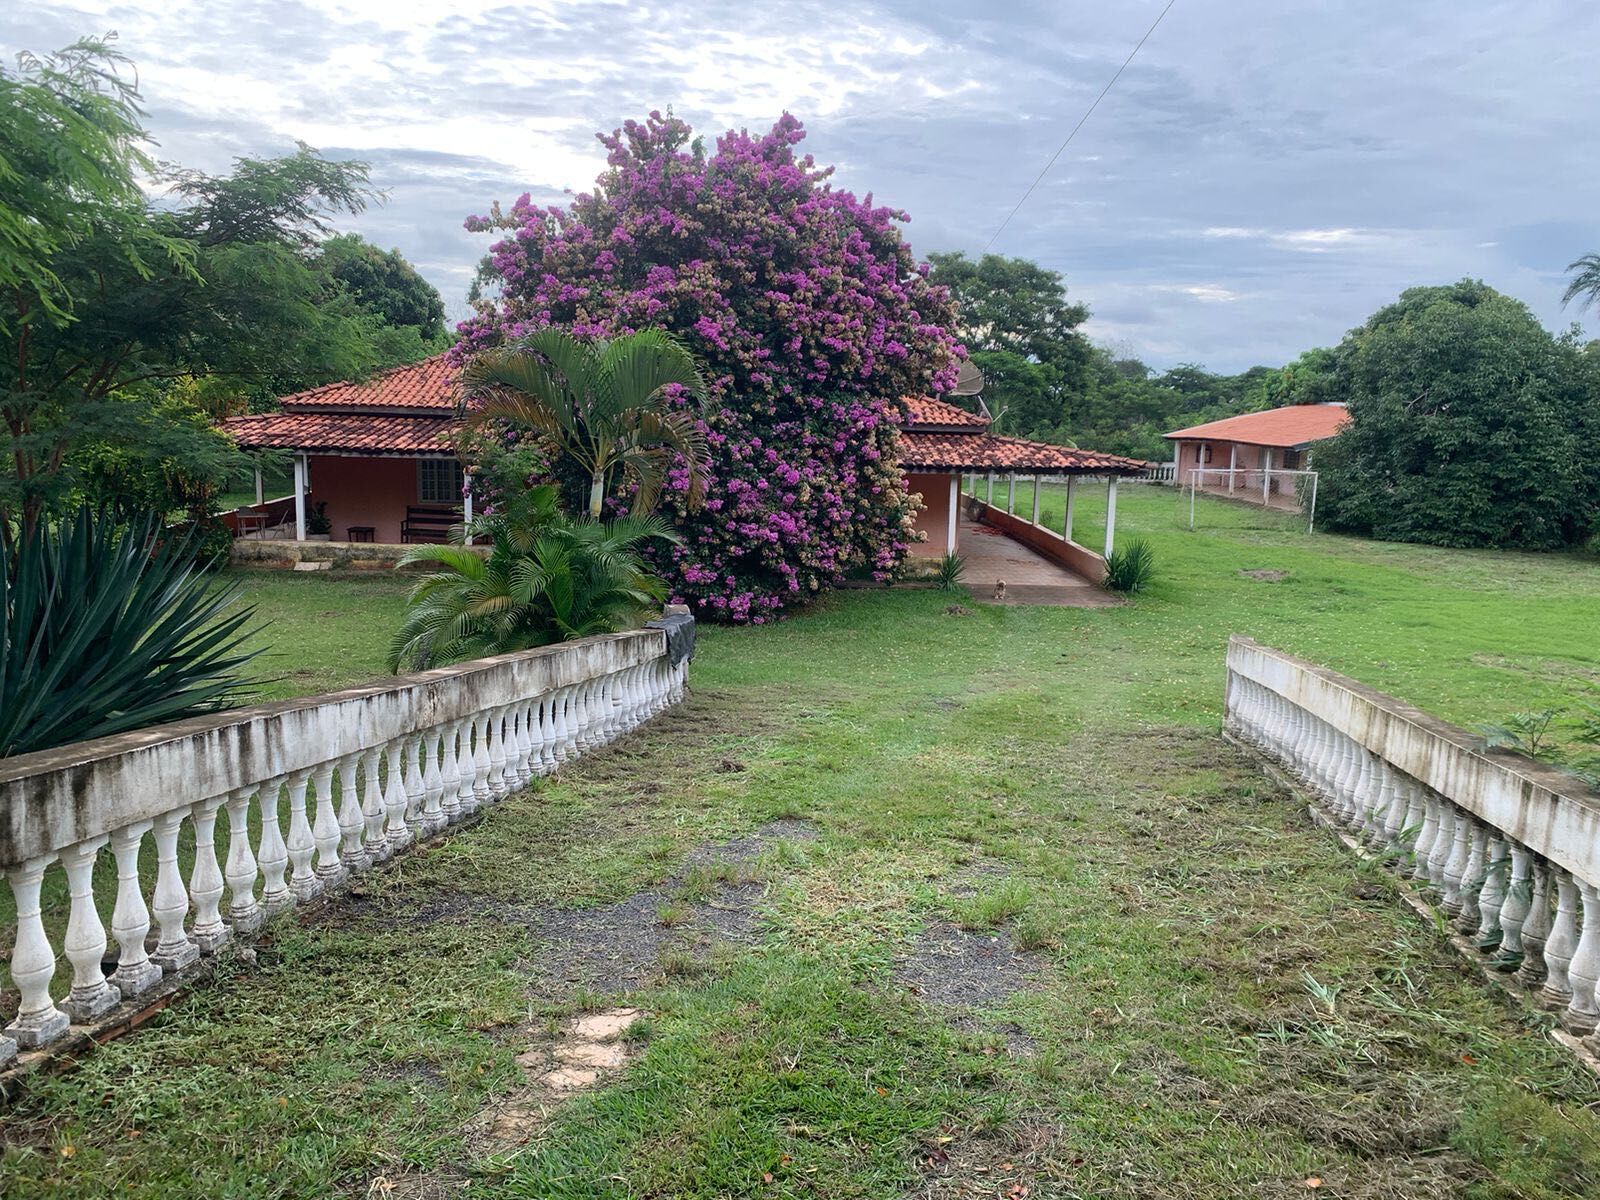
x=428 y=524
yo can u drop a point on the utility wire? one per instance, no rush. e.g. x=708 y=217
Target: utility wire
x=1089 y=113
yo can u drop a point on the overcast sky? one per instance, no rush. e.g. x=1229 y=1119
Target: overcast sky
x=1261 y=178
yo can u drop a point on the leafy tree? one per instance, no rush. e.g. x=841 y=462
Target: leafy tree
x=117 y=312
x=1017 y=324
x=547 y=578
x=607 y=408
x=1470 y=426
x=386 y=285
x=811 y=317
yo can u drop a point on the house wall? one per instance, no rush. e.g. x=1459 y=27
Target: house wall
x=1250 y=457
x=934 y=519
x=364 y=491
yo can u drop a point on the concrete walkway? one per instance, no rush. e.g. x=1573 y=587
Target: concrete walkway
x=1030 y=578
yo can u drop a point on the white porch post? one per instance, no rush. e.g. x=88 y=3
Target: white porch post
x=1111 y=515
x=1266 y=475
x=1177 y=464
x=991 y=488
x=955 y=508
x=466 y=502
x=1011 y=493
x=1233 y=463
x=300 y=474
x=1036 y=499
x=261 y=495
x=1072 y=494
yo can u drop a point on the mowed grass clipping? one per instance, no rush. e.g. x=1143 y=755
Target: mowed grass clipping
x=1208 y=996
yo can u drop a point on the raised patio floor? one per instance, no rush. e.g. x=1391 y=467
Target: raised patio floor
x=1030 y=577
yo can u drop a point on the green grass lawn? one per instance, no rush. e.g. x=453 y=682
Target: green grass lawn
x=1026 y=923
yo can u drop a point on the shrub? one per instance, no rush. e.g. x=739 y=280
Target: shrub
x=1131 y=567
x=812 y=319
x=546 y=579
x=107 y=628
x=951 y=568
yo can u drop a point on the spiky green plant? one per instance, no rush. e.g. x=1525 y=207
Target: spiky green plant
x=106 y=628
x=1131 y=567
x=951 y=568
x=547 y=578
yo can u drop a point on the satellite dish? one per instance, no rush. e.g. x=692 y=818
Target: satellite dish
x=969 y=380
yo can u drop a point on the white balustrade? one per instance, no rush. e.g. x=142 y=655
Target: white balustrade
x=362 y=773
x=1509 y=847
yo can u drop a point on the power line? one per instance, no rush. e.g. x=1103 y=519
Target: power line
x=1087 y=114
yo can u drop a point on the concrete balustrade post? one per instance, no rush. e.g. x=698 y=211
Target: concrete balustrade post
x=1492 y=895
x=33 y=961
x=1514 y=910
x=373 y=812
x=130 y=918
x=244 y=913
x=273 y=852
x=352 y=820
x=174 y=951
x=1583 y=972
x=210 y=931
x=1536 y=926
x=85 y=941
x=1562 y=942
x=302 y=844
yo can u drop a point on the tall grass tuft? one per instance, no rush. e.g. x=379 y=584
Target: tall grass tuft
x=951 y=568
x=1131 y=568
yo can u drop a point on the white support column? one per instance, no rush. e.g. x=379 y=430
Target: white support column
x=1233 y=464
x=261 y=495
x=466 y=504
x=1072 y=494
x=1011 y=493
x=1036 y=499
x=990 y=498
x=299 y=497
x=1266 y=475
x=1111 y=515
x=1177 y=464
x=955 y=508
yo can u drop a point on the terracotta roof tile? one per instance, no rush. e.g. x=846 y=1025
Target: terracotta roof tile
x=921 y=411
x=1293 y=425
x=428 y=385
x=990 y=452
x=344 y=433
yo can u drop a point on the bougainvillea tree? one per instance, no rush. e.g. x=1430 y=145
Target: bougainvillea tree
x=809 y=312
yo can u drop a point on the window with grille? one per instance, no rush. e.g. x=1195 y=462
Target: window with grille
x=439 y=481
x=1291 y=460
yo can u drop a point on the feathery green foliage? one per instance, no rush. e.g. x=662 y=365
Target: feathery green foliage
x=607 y=406
x=951 y=568
x=106 y=628
x=547 y=578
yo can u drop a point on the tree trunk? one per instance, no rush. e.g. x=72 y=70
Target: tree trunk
x=597 y=494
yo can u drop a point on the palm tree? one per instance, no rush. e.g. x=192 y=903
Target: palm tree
x=603 y=404
x=547 y=579
x=1585 y=281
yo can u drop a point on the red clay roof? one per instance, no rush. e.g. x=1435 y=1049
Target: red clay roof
x=344 y=433
x=428 y=385
x=1294 y=425
x=990 y=452
x=923 y=412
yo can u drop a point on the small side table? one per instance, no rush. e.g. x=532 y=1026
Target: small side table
x=360 y=533
x=251 y=523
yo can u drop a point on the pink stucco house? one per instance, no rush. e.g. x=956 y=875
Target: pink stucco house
x=1255 y=456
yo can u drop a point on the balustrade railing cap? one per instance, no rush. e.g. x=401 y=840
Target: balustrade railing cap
x=50 y=798
x=1512 y=791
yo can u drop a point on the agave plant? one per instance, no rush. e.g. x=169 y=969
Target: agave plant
x=106 y=628
x=546 y=579
x=1131 y=567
